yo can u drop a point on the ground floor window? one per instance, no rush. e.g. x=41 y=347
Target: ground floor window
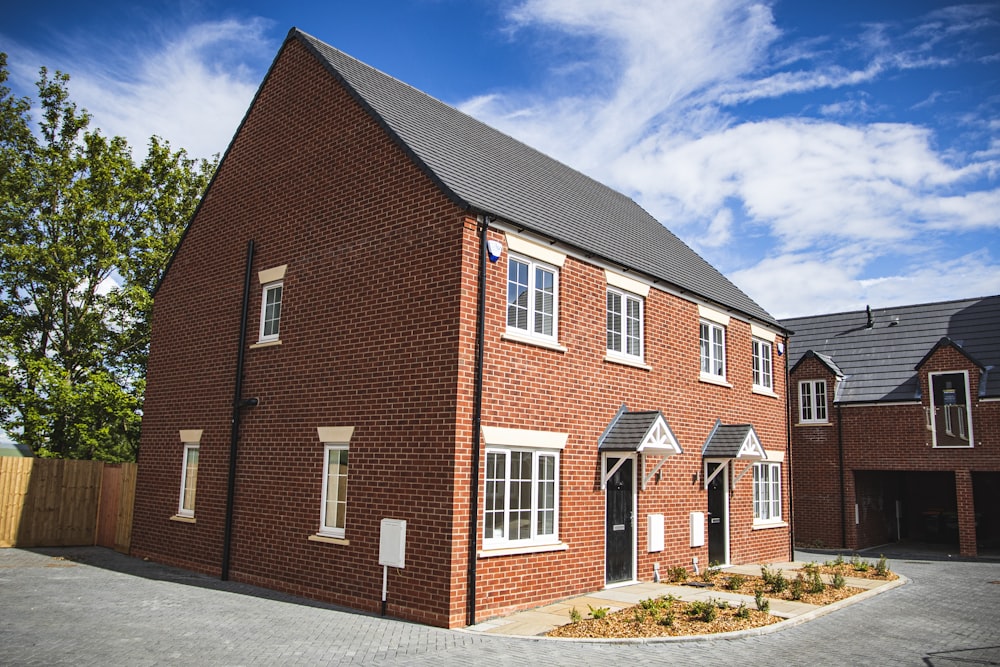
x=189 y=480
x=333 y=518
x=522 y=505
x=766 y=492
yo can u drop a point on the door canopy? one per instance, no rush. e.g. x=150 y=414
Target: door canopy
x=646 y=433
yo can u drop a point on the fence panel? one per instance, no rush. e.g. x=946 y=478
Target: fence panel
x=55 y=502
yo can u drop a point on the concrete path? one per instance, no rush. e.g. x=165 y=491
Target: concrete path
x=92 y=606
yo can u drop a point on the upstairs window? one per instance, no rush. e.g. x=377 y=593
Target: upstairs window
x=270 y=312
x=713 y=350
x=812 y=402
x=762 y=374
x=532 y=298
x=272 y=291
x=624 y=324
x=950 y=413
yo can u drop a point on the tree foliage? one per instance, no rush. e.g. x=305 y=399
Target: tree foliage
x=86 y=231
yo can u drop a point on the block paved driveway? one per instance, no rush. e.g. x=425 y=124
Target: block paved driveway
x=92 y=606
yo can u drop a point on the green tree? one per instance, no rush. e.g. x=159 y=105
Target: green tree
x=85 y=232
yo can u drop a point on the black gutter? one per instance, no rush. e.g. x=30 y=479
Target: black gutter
x=477 y=417
x=227 y=535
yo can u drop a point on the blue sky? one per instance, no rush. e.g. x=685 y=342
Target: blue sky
x=824 y=156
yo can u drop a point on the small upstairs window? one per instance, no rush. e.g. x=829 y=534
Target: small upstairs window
x=762 y=373
x=812 y=402
x=624 y=324
x=272 y=291
x=532 y=298
x=950 y=410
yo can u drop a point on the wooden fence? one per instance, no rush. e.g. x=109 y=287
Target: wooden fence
x=56 y=502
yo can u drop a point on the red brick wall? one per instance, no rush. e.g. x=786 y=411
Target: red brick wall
x=377 y=332
x=578 y=392
x=368 y=339
x=887 y=437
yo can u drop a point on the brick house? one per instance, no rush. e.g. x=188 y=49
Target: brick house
x=896 y=426
x=382 y=303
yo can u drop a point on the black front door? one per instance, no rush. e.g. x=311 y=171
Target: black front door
x=618 y=559
x=716 y=515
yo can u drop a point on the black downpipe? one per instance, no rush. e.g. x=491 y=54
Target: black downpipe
x=789 y=416
x=843 y=485
x=227 y=536
x=477 y=417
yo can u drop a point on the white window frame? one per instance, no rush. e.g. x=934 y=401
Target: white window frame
x=766 y=493
x=622 y=329
x=182 y=505
x=334 y=530
x=813 y=406
x=267 y=290
x=716 y=350
x=491 y=538
x=763 y=364
x=957 y=418
x=530 y=331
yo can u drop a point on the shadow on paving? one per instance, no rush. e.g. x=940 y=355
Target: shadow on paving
x=108 y=559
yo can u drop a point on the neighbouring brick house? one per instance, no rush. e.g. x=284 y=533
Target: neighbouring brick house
x=624 y=414
x=896 y=426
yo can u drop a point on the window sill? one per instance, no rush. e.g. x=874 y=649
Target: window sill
x=517 y=551
x=799 y=424
x=531 y=340
x=952 y=446
x=265 y=343
x=714 y=379
x=764 y=391
x=183 y=519
x=625 y=361
x=764 y=525
x=329 y=540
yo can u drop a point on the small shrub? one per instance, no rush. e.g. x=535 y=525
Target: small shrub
x=743 y=611
x=722 y=604
x=798 y=587
x=858 y=564
x=816 y=584
x=763 y=604
x=640 y=615
x=598 y=613
x=774 y=579
x=710 y=574
x=574 y=615
x=667 y=619
x=678 y=573
x=735 y=582
x=838 y=581
x=838 y=561
x=809 y=568
x=703 y=610
x=882 y=567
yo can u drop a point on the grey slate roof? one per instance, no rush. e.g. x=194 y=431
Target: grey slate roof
x=880 y=363
x=725 y=441
x=628 y=431
x=491 y=173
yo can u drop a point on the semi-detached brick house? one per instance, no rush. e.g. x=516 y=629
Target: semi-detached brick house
x=624 y=414
x=896 y=426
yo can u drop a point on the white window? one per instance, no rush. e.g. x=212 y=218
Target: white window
x=522 y=500
x=624 y=324
x=270 y=312
x=333 y=516
x=766 y=492
x=762 y=376
x=532 y=298
x=189 y=480
x=812 y=401
x=713 y=350
x=950 y=413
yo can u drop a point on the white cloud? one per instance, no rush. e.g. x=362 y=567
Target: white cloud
x=850 y=211
x=190 y=88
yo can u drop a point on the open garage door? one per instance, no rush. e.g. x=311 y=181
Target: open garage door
x=893 y=506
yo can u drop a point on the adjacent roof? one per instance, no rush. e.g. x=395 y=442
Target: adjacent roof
x=15 y=449
x=879 y=363
x=491 y=173
x=646 y=432
x=733 y=441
